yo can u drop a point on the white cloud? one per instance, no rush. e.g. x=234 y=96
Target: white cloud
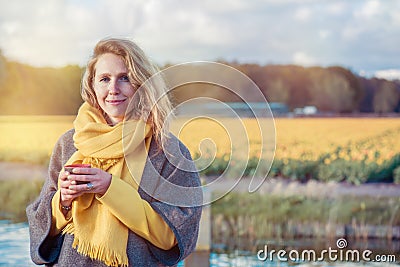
x=40 y=36
x=303 y=14
x=369 y=9
x=337 y=8
x=359 y=34
x=352 y=32
x=389 y=74
x=59 y=32
x=324 y=34
x=303 y=59
x=10 y=27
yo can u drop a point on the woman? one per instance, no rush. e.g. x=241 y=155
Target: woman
x=104 y=215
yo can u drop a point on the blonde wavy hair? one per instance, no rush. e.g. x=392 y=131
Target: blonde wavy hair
x=151 y=102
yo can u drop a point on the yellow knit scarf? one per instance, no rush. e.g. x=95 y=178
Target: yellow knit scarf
x=97 y=233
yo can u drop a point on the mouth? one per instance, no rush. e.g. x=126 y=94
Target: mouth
x=115 y=102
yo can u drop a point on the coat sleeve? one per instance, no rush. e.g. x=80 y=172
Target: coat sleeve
x=45 y=248
x=179 y=209
x=144 y=221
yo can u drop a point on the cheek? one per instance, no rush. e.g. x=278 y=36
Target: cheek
x=100 y=94
x=130 y=92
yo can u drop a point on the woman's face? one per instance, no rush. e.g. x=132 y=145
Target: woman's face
x=112 y=86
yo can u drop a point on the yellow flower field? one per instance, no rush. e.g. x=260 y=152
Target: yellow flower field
x=304 y=138
x=309 y=138
x=31 y=138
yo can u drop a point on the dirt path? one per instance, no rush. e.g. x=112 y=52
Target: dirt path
x=312 y=188
x=17 y=170
x=20 y=170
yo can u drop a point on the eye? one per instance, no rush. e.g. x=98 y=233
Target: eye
x=104 y=79
x=124 y=78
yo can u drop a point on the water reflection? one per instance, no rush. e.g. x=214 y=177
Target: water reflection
x=14 y=244
x=240 y=259
x=14 y=251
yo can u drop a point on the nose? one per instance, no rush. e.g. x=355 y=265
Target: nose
x=113 y=88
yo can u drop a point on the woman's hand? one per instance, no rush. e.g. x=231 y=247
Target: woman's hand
x=99 y=179
x=66 y=194
x=93 y=180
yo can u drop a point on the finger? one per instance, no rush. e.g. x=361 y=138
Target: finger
x=84 y=171
x=63 y=175
x=73 y=189
x=80 y=188
x=71 y=196
x=80 y=178
x=65 y=184
x=69 y=191
x=87 y=188
x=65 y=195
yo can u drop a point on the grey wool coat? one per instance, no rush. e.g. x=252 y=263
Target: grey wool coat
x=173 y=164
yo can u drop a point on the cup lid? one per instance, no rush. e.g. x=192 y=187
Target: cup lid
x=78 y=166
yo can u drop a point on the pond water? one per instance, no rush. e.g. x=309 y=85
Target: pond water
x=14 y=251
x=14 y=244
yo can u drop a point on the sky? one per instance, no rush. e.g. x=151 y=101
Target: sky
x=362 y=35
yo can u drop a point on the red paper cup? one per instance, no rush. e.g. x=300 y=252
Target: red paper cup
x=69 y=168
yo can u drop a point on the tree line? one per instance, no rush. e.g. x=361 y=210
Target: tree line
x=28 y=90
x=332 y=89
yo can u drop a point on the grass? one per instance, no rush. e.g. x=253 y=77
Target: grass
x=346 y=209
x=15 y=195
x=253 y=217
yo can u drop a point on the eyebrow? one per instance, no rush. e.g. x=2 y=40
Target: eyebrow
x=109 y=74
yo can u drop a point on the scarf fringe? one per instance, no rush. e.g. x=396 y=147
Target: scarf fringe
x=100 y=253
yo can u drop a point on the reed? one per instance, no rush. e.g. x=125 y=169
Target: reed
x=15 y=195
x=245 y=219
